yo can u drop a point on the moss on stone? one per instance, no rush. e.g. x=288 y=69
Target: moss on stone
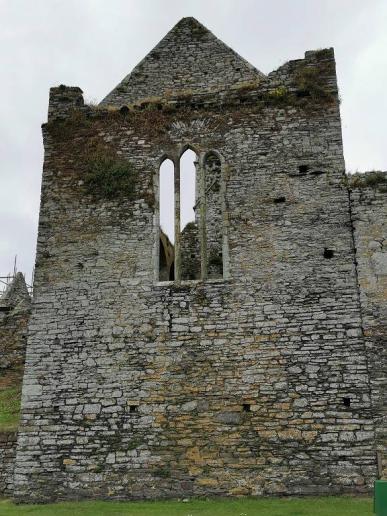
x=162 y=473
x=324 y=53
x=245 y=86
x=308 y=82
x=63 y=130
x=134 y=443
x=279 y=97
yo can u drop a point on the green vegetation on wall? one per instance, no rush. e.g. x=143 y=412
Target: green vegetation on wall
x=309 y=82
x=374 y=179
x=109 y=177
x=9 y=408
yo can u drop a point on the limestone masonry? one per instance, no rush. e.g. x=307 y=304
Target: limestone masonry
x=248 y=356
x=15 y=309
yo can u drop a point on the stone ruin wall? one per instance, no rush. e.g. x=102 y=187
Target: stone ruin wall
x=8 y=441
x=162 y=406
x=13 y=337
x=15 y=307
x=369 y=215
x=136 y=389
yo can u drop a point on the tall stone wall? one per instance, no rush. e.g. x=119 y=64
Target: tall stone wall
x=136 y=389
x=369 y=212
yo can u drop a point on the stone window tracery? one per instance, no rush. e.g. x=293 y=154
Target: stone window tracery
x=192 y=246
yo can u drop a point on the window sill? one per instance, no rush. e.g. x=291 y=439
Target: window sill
x=189 y=283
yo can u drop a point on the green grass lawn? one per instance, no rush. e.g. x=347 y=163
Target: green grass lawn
x=329 y=506
x=9 y=408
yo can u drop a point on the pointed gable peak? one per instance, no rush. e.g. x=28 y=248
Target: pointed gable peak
x=188 y=58
x=190 y=27
x=189 y=22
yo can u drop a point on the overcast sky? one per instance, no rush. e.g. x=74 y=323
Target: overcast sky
x=95 y=43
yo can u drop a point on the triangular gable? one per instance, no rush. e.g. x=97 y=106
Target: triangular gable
x=188 y=59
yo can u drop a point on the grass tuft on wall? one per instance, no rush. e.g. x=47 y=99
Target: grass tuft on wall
x=109 y=177
x=9 y=408
x=309 y=82
x=374 y=179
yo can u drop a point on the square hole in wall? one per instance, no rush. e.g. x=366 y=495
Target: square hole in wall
x=328 y=253
x=303 y=169
x=246 y=407
x=347 y=402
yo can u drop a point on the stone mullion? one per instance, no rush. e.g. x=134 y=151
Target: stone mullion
x=177 y=223
x=157 y=228
x=225 y=222
x=200 y=173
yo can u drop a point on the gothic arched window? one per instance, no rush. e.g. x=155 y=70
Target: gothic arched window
x=191 y=229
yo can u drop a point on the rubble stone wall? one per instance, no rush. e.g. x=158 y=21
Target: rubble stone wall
x=190 y=252
x=369 y=212
x=7 y=460
x=13 y=338
x=15 y=306
x=134 y=389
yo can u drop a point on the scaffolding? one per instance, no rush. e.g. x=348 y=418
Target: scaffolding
x=5 y=281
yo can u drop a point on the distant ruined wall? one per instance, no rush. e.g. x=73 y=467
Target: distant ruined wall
x=369 y=212
x=253 y=383
x=166 y=258
x=190 y=252
x=13 y=340
x=15 y=308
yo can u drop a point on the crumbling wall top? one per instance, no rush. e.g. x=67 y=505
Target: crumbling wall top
x=64 y=99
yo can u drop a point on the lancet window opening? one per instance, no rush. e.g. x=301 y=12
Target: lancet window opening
x=191 y=235
x=166 y=229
